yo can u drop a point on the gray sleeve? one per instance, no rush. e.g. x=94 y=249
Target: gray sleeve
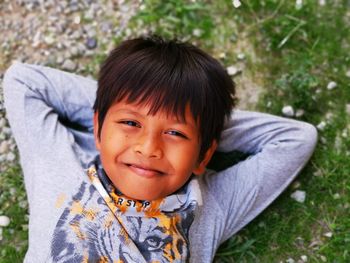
x=37 y=100
x=278 y=149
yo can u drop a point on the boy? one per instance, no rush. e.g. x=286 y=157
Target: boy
x=127 y=182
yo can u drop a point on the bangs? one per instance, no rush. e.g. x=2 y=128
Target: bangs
x=166 y=86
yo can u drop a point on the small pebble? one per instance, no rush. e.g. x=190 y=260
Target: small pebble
x=69 y=65
x=299 y=196
x=298 y=4
x=236 y=3
x=288 y=111
x=304 y=258
x=321 y=125
x=290 y=260
x=241 y=56
x=7 y=130
x=91 y=43
x=4 y=147
x=336 y=196
x=331 y=85
x=3 y=122
x=328 y=234
x=299 y=241
x=77 y=20
x=13 y=191
x=197 y=32
x=232 y=70
x=4 y=221
x=222 y=55
x=323 y=258
x=10 y=157
x=49 y=40
x=347 y=109
x=59 y=60
x=322 y=2
x=299 y=113
x=347 y=74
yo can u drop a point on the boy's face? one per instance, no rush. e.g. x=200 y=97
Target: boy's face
x=149 y=156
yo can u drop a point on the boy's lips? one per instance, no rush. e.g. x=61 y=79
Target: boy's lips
x=144 y=171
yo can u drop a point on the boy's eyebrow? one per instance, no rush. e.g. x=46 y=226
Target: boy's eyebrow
x=140 y=115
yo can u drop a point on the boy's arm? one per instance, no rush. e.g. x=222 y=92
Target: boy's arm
x=278 y=149
x=38 y=100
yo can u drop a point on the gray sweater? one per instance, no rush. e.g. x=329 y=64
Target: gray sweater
x=50 y=113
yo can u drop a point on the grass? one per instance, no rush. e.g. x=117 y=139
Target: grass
x=293 y=53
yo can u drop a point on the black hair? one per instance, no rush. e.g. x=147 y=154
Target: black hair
x=167 y=75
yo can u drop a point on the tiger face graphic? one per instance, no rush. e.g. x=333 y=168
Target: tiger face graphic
x=88 y=231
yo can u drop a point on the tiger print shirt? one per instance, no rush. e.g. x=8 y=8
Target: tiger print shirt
x=126 y=230
x=77 y=216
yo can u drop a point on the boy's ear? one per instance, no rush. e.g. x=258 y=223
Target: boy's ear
x=200 y=169
x=97 y=141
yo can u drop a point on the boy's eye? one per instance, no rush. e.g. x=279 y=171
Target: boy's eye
x=131 y=123
x=176 y=133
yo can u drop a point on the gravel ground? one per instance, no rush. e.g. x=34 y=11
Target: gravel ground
x=63 y=34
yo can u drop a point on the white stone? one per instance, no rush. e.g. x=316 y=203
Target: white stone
x=4 y=221
x=222 y=55
x=49 y=40
x=290 y=260
x=321 y=125
x=10 y=157
x=197 y=32
x=331 y=85
x=304 y=258
x=328 y=234
x=2 y=123
x=236 y=3
x=4 y=147
x=241 y=56
x=347 y=108
x=348 y=73
x=322 y=2
x=323 y=258
x=77 y=19
x=298 y=4
x=232 y=70
x=329 y=115
x=299 y=113
x=7 y=130
x=299 y=196
x=288 y=111
x=36 y=39
x=69 y=65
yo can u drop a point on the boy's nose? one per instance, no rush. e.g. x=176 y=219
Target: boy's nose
x=148 y=146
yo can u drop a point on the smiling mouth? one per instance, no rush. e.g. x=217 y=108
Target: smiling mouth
x=144 y=171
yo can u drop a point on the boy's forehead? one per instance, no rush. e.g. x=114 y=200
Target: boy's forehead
x=144 y=109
